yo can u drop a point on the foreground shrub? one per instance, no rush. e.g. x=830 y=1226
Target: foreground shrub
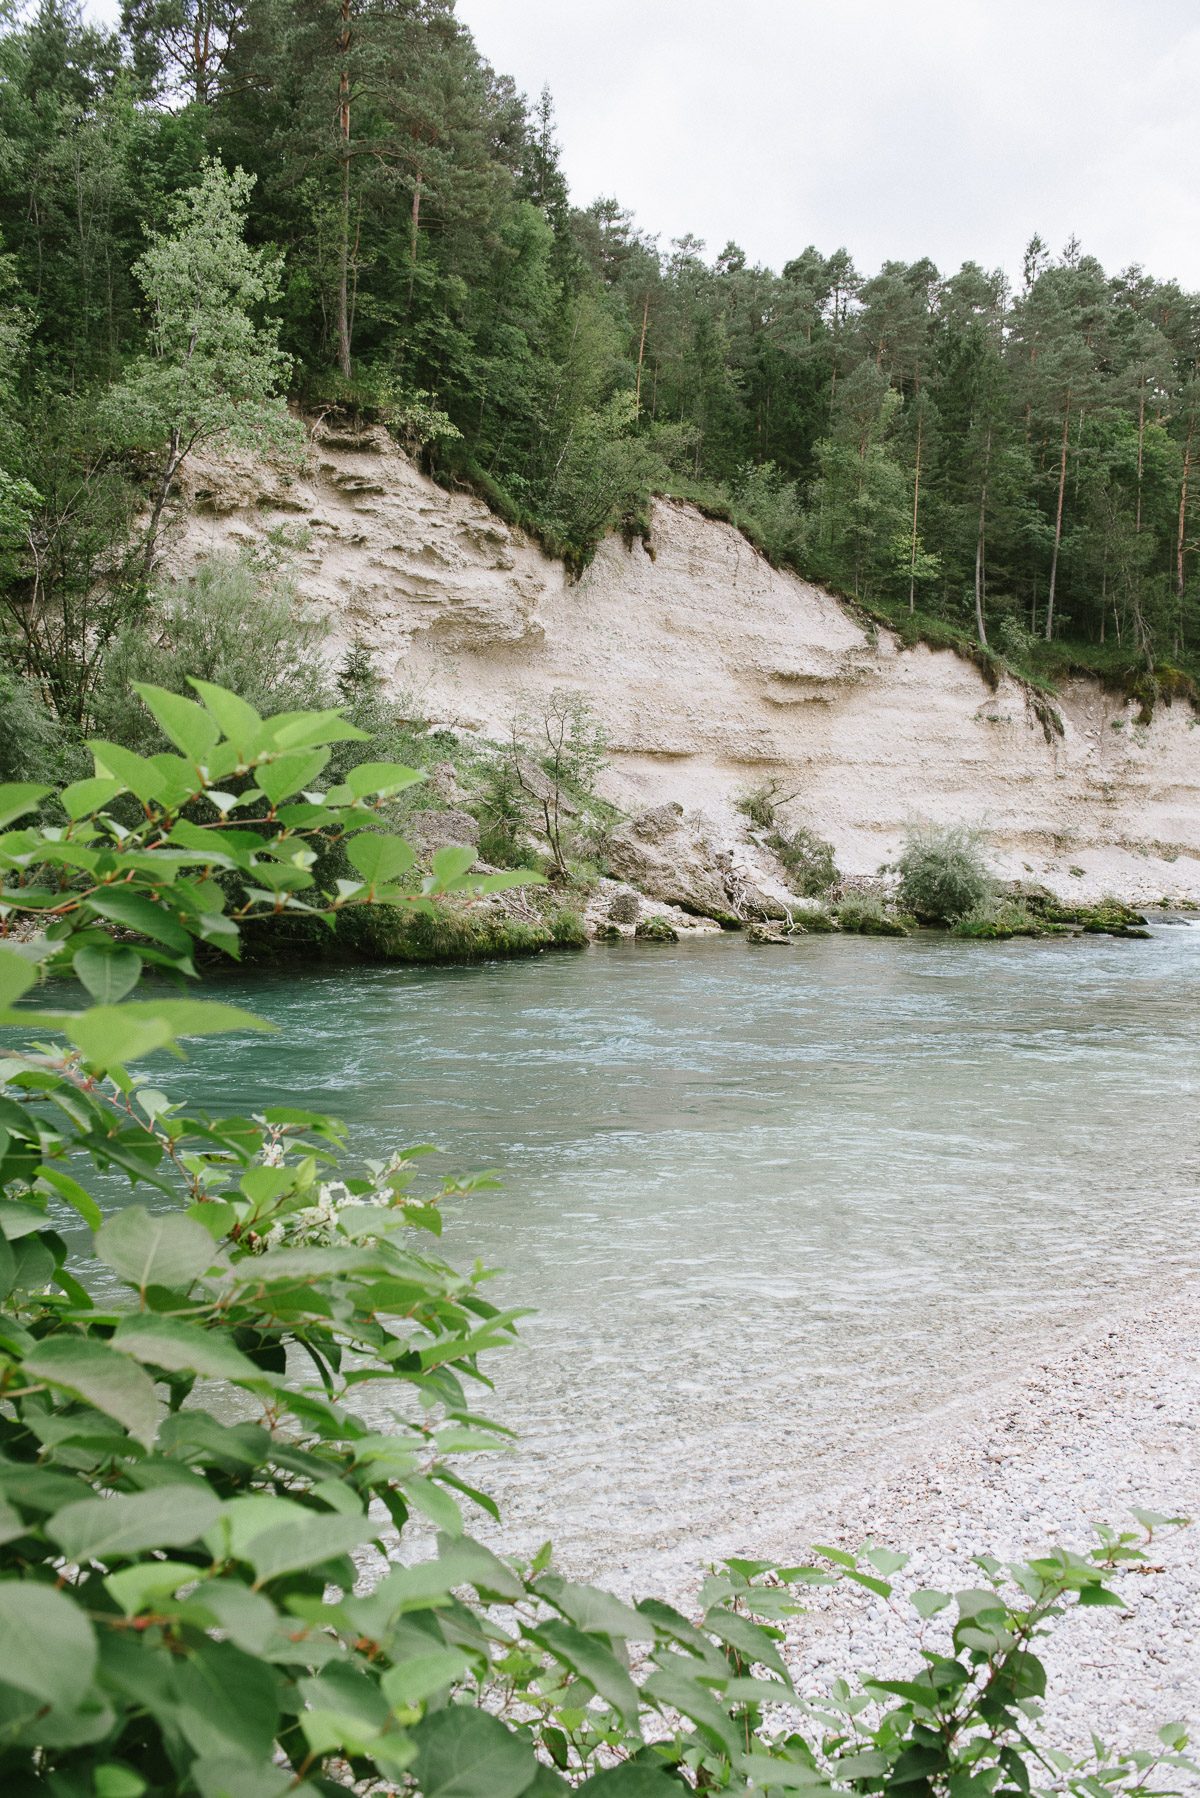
x=207 y=1585
x=943 y=875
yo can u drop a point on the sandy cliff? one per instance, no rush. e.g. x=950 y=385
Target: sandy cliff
x=713 y=671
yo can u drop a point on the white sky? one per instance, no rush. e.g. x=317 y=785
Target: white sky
x=901 y=128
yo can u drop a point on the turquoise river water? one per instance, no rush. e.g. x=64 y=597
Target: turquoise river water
x=777 y=1210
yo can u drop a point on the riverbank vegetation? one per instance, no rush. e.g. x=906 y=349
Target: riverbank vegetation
x=351 y=211
x=216 y=1599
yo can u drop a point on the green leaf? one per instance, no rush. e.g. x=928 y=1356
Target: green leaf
x=381 y=778
x=83 y=797
x=101 y=1377
x=927 y=1603
x=465 y=1753
x=286 y=774
x=112 y=1035
x=412 y=1680
x=109 y=973
x=235 y=1776
x=134 y=911
x=239 y=721
x=592 y=1609
x=319 y=1537
x=451 y=862
x=227 y=1700
x=1101 y=1595
x=47 y=1647
x=751 y=1640
x=114 y=1781
x=187 y=724
x=632 y=1781
x=180 y=1347
x=17 y=975
x=76 y=1197
x=379 y=858
x=437 y=1505
x=18 y=797
x=595 y=1663
x=102 y=1529
x=135 y=772
x=147 y=1584
x=154 y=1248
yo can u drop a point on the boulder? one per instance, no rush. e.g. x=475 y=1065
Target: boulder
x=667 y=861
x=656 y=930
x=438 y=830
x=626 y=908
x=762 y=937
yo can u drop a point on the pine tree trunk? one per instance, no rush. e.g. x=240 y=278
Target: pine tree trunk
x=637 y=396
x=1058 y=517
x=415 y=222
x=343 y=295
x=170 y=469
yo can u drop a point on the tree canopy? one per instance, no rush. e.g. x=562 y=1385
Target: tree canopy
x=371 y=217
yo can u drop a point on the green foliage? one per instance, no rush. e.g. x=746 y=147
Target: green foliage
x=998 y=920
x=505 y=813
x=862 y=914
x=33 y=745
x=553 y=758
x=807 y=860
x=811 y=919
x=759 y=804
x=213 y=369
x=248 y=634
x=943 y=875
x=207 y=1582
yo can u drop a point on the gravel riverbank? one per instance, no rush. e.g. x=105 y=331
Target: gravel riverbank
x=1110 y=1423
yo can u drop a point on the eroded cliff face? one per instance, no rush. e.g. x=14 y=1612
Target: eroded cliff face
x=713 y=672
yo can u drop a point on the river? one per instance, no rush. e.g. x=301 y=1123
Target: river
x=779 y=1211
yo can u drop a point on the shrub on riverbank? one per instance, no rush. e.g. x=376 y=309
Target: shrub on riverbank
x=206 y=1600
x=807 y=860
x=998 y=921
x=864 y=915
x=943 y=876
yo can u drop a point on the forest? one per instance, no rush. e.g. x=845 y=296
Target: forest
x=379 y=224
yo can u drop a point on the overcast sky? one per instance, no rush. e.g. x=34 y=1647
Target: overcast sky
x=901 y=128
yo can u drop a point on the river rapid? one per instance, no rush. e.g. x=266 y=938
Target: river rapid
x=780 y=1212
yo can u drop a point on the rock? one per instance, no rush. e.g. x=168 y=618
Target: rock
x=760 y=934
x=659 y=823
x=607 y=932
x=442 y=779
x=626 y=908
x=656 y=929
x=440 y=829
x=666 y=861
